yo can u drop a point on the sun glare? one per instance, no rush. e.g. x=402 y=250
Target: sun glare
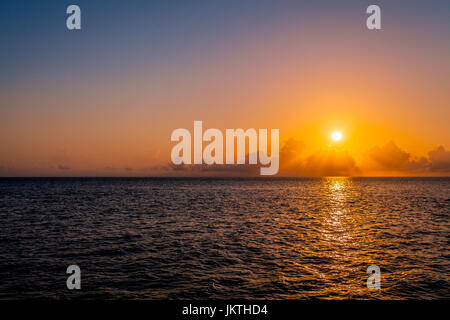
x=336 y=136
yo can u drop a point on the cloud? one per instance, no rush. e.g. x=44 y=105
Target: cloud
x=419 y=165
x=291 y=156
x=387 y=160
x=244 y=170
x=330 y=162
x=389 y=157
x=439 y=159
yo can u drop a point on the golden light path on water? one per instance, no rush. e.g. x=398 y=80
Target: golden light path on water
x=343 y=239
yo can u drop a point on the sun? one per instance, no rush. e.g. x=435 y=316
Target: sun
x=336 y=136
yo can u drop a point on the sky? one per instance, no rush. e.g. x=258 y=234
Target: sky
x=103 y=100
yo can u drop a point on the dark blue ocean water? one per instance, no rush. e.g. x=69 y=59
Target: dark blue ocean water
x=225 y=238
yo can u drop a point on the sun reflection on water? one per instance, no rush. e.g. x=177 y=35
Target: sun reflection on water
x=342 y=237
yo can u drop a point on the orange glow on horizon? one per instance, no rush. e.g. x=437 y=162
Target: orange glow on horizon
x=119 y=123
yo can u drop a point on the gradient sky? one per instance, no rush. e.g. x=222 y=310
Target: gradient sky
x=104 y=100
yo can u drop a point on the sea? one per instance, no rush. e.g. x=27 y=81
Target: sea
x=225 y=238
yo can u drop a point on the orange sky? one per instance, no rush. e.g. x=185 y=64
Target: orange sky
x=306 y=78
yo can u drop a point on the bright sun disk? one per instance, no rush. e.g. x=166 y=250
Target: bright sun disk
x=336 y=136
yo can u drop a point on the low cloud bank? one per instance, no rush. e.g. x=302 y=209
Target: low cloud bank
x=389 y=160
x=385 y=160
